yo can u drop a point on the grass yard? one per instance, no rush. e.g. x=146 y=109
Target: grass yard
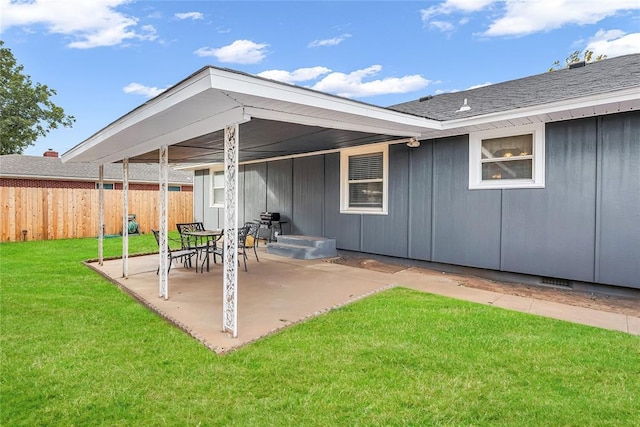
x=77 y=351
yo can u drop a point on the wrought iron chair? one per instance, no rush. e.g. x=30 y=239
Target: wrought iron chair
x=189 y=242
x=184 y=255
x=243 y=232
x=251 y=239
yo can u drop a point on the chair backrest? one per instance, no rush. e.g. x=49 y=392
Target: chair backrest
x=252 y=230
x=156 y=234
x=183 y=227
x=243 y=232
x=190 y=226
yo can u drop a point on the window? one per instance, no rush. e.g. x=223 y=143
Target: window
x=217 y=188
x=105 y=186
x=174 y=188
x=507 y=158
x=363 y=180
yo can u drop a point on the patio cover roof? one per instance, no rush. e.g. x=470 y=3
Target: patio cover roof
x=276 y=119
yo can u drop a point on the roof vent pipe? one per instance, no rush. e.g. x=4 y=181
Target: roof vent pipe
x=465 y=106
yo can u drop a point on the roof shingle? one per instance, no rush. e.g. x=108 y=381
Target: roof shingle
x=608 y=75
x=17 y=165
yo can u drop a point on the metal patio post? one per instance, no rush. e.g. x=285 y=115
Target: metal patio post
x=163 y=273
x=230 y=285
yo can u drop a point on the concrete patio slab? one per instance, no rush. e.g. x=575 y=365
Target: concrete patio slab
x=278 y=292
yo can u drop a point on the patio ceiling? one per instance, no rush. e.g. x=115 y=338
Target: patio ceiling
x=276 y=119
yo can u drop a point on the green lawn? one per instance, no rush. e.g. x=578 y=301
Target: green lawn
x=77 y=351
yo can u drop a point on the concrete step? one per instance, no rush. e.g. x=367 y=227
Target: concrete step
x=326 y=249
x=311 y=241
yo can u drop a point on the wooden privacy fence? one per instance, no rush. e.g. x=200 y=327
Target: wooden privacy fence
x=59 y=213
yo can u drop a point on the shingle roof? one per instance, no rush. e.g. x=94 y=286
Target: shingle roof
x=594 y=78
x=17 y=165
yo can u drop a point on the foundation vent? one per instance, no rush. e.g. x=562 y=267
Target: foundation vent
x=551 y=281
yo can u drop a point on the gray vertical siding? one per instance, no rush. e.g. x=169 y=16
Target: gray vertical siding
x=255 y=194
x=420 y=196
x=387 y=234
x=467 y=223
x=308 y=195
x=619 y=215
x=241 y=214
x=551 y=231
x=584 y=225
x=280 y=190
x=342 y=227
x=199 y=189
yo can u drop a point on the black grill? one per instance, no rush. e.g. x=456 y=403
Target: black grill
x=269 y=216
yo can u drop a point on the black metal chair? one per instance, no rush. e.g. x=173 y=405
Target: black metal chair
x=251 y=239
x=184 y=255
x=243 y=232
x=189 y=242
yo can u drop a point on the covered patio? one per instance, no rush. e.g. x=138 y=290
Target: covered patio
x=221 y=116
x=274 y=293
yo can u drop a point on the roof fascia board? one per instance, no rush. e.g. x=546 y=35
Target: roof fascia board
x=190 y=87
x=560 y=106
x=201 y=127
x=255 y=86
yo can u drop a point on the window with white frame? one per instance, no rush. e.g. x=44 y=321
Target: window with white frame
x=363 y=180
x=217 y=188
x=507 y=158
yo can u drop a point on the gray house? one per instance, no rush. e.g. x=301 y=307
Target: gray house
x=539 y=176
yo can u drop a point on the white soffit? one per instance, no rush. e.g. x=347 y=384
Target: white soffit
x=212 y=98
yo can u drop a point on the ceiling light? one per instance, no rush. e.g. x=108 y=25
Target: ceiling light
x=413 y=143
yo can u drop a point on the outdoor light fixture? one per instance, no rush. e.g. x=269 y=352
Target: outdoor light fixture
x=413 y=143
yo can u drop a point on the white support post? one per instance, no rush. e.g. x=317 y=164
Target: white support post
x=125 y=218
x=230 y=285
x=163 y=273
x=101 y=214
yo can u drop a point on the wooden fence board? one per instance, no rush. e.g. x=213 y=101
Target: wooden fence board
x=59 y=213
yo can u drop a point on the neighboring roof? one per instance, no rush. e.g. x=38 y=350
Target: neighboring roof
x=606 y=76
x=41 y=167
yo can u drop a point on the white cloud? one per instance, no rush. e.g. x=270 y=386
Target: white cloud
x=523 y=18
x=299 y=75
x=614 y=43
x=450 y=6
x=239 y=52
x=139 y=89
x=352 y=85
x=443 y=26
x=520 y=17
x=91 y=24
x=189 y=15
x=330 y=42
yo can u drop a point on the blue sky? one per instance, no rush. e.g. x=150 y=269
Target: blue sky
x=106 y=57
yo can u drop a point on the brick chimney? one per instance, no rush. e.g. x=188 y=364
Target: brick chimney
x=50 y=153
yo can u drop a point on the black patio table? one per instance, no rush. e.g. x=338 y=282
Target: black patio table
x=207 y=243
